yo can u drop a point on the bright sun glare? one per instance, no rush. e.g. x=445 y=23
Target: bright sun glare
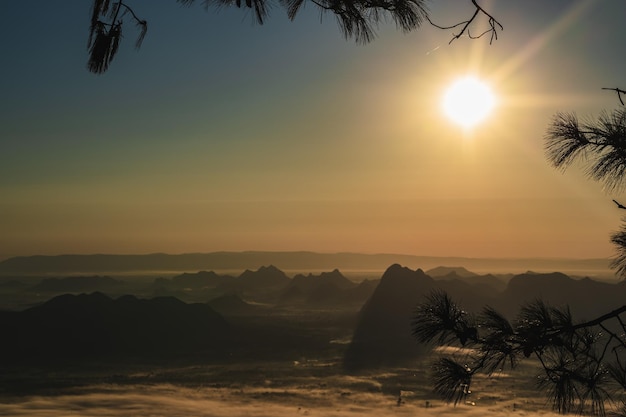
x=468 y=101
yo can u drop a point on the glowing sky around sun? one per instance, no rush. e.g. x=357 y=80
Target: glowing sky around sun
x=220 y=134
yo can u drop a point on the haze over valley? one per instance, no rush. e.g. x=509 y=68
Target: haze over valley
x=331 y=208
x=264 y=333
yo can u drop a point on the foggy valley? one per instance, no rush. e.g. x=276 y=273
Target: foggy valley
x=331 y=208
x=259 y=342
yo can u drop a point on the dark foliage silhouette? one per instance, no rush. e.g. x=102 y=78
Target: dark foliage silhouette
x=105 y=32
x=357 y=19
x=575 y=357
x=95 y=325
x=600 y=145
x=583 y=362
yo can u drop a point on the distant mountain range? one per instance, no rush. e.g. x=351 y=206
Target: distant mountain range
x=292 y=261
x=266 y=305
x=269 y=284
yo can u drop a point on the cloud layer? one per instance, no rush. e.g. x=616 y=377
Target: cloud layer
x=172 y=401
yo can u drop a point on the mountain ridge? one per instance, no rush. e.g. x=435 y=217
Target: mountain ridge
x=288 y=260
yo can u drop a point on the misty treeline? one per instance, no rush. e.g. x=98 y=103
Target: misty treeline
x=357 y=19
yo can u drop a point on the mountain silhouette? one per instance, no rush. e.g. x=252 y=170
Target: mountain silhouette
x=442 y=271
x=382 y=335
x=198 y=280
x=586 y=297
x=264 y=284
x=294 y=260
x=325 y=289
x=264 y=278
x=383 y=332
x=88 y=325
x=334 y=278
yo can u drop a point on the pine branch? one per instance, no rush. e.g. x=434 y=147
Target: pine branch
x=619 y=92
x=494 y=25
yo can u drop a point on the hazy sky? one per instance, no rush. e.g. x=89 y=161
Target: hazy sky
x=220 y=134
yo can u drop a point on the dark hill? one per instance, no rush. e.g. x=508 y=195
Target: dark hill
x=325 y=289
x=266 y=277
x=488 y=282
x=442 y=271
x=585 y=297
x=334 y=278
x=198 y=280
x=383 y=332
x=96 y=325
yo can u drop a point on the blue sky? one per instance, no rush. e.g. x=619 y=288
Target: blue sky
x=221 y=134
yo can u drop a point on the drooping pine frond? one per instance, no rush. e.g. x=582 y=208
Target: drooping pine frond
x=105 y=32
x=593 y=394
x=535 y=314
x=143 y=26
x=357 y=19
x=601 y=145
x=99 y=8
x=538 y=327
x=293 y=7
x=451 y=380
x=619 y=240
x=564 y=140
x=582 y=363
x=442 y=320
x=103 y=48
x=617 y=371
x=259 y=7
x=575 y=385
x=561 y=387
x=498 y=346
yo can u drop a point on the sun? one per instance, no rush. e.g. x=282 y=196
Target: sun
x=468 y=101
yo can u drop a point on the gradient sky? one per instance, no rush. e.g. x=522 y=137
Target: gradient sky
x=220 y=134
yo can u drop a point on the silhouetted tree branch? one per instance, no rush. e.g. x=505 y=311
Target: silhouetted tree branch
x=619 y=93
x=493 y=24
x=357 y=19
x=105 y=33
x=601 y=146
x=581 y=362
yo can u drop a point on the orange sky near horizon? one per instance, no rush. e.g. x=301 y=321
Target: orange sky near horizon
x=220 y=135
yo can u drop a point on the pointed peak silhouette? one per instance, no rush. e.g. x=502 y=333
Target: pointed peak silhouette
x=399 y=271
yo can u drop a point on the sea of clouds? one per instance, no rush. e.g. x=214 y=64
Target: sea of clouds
x=175 y=401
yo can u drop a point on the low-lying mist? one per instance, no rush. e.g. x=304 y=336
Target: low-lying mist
x=327 y=399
